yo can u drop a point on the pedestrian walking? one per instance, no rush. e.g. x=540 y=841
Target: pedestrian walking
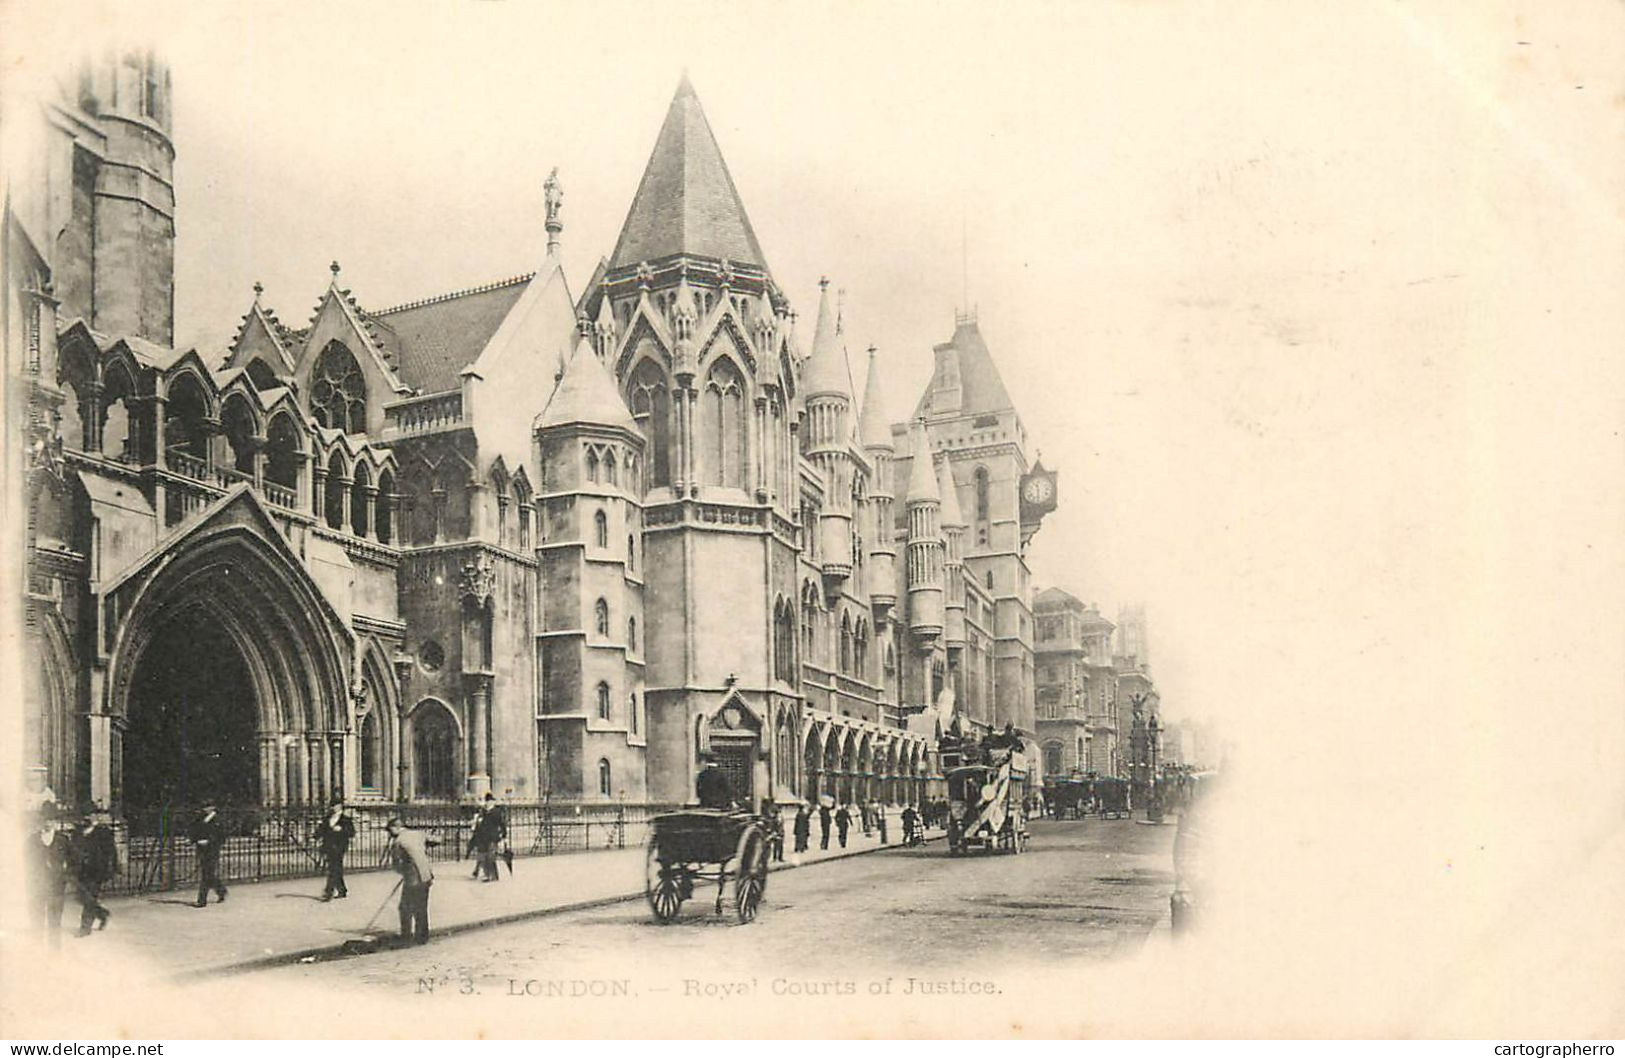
x=880 y=821
x=97 y=856
x=775 y=824
x=803 y=827
x=823 y=826
x=51 y=856
x=911 y=824
x=490 y=830
x=209 y=837
x=333 y=839
x=409 y=852
x=843 y=821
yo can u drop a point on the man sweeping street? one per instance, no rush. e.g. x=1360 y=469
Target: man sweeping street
x=409 y=852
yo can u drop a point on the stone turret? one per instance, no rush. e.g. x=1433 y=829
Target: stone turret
x=827 y=390
x=953 y=541
x=875 y=433
x=925 y=557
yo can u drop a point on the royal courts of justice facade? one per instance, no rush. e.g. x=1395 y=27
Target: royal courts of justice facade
x=523 y=537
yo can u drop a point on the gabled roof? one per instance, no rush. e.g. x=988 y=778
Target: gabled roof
x=431 y=341
x=686 y=201
x=586 y=395
x=981 y=388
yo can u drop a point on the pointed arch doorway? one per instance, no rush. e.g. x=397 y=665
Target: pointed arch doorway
x=227 y=675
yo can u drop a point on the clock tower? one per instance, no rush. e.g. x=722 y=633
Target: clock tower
x=1037 y=498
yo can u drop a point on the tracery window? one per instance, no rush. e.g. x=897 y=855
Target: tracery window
x=723 y=425
x=651 y=409
x=338 y=391
x=601 y=617
x=603 y=701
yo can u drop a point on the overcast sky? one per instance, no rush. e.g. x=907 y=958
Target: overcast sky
x=1264 y=283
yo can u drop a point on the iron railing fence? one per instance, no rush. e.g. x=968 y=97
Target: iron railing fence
x=265 y=843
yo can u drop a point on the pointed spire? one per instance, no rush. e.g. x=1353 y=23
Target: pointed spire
x=826 y=372
x=686 y=201
x=874 y=428
x=922 y=480
x=586 y=395
x=951 y=517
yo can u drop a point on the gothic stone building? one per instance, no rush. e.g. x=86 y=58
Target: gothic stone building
x=517 y=538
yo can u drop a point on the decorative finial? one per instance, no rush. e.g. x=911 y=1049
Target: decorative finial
x=725 y=274
x=334 y=268
x=646 y=275
x=872 y=351
x=259 y=288
x=823 y=282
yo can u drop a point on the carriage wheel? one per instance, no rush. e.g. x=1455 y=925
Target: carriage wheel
x=750 y=875
x=663 y=886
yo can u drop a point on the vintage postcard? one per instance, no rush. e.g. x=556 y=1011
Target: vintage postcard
x=731 y=520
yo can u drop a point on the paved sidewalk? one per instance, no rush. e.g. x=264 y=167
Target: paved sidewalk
x=269 y=923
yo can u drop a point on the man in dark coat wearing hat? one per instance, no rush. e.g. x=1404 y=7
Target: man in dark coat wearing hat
x=209 y=837
x=333 y=836
x=98 y=862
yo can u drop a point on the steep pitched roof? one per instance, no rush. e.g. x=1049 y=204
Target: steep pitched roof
x=431 y=341
x=1056 y=599
x=686 y=201
x=922 y=479
x=874 y=428
x=826 y=370
x=586 y=394
x=981 y=386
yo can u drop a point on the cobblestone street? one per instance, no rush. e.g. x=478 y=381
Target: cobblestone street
x=1091 y=889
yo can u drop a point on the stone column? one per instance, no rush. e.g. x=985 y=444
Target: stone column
x=90 y=416
x=476 y=508
x=758 y=450
x=679 y=448
x=344 y=503
x=479 y=735
x=438 y=498
x=318 y=489
x=256 y=444
x=269 y=793
x=373 y=503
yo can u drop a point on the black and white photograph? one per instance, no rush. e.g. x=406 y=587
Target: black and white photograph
x=742 y=520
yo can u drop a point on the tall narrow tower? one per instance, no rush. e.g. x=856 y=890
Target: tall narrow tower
x=925 y=563
x=875 y=434
x=826 y=385
x=133 y=274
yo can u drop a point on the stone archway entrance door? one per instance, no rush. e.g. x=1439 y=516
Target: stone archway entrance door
x=735 y=738
x=226 y=680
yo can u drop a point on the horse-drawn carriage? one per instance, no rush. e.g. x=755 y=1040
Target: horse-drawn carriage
x=702 y=845
x=985 y=808
x=1066 y=798
x=1113 y=797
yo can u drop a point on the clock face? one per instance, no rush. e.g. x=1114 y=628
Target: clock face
x=1037 y=491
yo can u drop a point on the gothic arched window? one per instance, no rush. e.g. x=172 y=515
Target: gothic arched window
x=648 y=396
x=632 y=633
x=632 y=711
x=722 y=425
x=338 y=391
x=846 y=643
x=603 y=776
x=603 y=701
x=592 y=466
x=600 y=528
x=610 y=474
x=600 y=611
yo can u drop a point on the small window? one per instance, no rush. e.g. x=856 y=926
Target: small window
x=603 y=777
x=632 y=711
x=601 y=617
x=603 y=701
x=631 y=552
x=609 y=468
x=600 y=526
x=592 y=466
x=632 y=633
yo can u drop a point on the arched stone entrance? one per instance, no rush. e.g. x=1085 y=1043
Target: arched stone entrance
x=227 y=674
